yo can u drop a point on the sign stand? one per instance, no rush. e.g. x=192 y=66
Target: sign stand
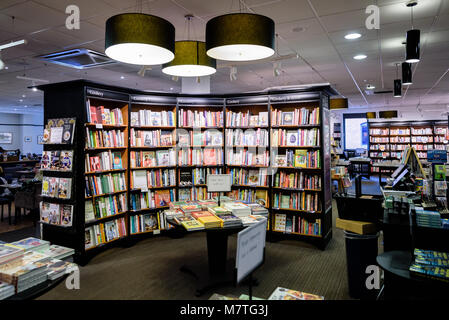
x=219 y=183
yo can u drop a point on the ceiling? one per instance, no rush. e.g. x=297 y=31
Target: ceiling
x=311 y=32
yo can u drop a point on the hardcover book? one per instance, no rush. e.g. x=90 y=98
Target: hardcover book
x=287 y=118
x=263 y=119
x=163 y=158
x=66 y=159
x=292 y=138
x=162 y=198
x=150 y=221
x=117 y=160
x=301 y=158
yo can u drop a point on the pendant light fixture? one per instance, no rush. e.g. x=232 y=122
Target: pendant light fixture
x=190 y=59
x=240 y=37
x=397 y=88
x=412 y=39
x=406 y=73
x=141 y=39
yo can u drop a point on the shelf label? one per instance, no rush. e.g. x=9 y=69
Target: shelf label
x=157 y=231
x=99 y=126
x=219 y=182
x=144 y=189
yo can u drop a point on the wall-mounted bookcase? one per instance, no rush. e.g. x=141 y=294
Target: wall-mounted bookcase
x=387 y=140
x=135 y=152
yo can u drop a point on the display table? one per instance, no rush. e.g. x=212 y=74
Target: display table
x=37 y=291
x=399 y=283
x=220 y=270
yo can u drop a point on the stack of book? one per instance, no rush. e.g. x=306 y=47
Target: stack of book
x=31 y=243
x=238 y=208
x=228 y=220
x=57 y=268
x=257 y=209
x=57 y=252
x=207 y=219
x=429 y=219
x=6 y=290
x=288 y=294
x=430 y=264
x=218 y=210
x=9 y=253
x=190 y=207
x=189 y=223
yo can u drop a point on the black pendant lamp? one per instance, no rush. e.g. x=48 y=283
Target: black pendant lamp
x=406 y=73
x=190 y=59
x=412 y=39
x=141 y=39
x=397 y=88
x=240 y=37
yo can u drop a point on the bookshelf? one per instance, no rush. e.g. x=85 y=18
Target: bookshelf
x=300 y=167
x=248 y=148
x=163 y=159
x=389 y=139
x=200 y=149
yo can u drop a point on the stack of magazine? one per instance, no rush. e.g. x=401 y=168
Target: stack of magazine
x=430 y=264
x=6 y=290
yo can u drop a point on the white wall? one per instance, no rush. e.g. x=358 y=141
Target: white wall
x=21 y=126
x=9 y=123
x=31 y=127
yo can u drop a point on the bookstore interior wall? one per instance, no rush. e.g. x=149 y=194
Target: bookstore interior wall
x=117 y=161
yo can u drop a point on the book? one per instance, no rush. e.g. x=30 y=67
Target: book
x=66 y=215
x=53 y=184
x=89 y=238
x=31 y=243
x=57 y=252
x=280 y=160
x=55 y=163
x=65 y=188
x=162 y=198
x=89 y=211
x=163 y=158
x=54 y=214
x=45 y=186
x=66 y=159
x=156 y=119
x=150 y=222
x=117 y=160
x=9 y=253
x=183 y=140
x=287 y=294
x=292 y=138
x=253 y=121
x=263 y=119
x=287 y=118
x=300 y=158
x=46 y=160
x=185 y=178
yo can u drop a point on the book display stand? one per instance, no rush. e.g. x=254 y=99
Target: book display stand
x=134 y=152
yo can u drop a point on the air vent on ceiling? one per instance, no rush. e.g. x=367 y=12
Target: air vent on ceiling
x=78 y=58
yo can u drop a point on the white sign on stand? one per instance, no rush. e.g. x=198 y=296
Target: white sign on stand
x=219 y=182
x=250 y=249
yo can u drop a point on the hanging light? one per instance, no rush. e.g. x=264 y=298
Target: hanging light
x=412 y=39
x=240 y=37
x=406 y=73
x=141 y=39
x=191 y=59
x=397 y=87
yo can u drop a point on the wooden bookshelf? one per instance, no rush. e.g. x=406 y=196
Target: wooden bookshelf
x=75 y=96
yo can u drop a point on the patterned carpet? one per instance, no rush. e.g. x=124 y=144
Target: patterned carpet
x=150 y=270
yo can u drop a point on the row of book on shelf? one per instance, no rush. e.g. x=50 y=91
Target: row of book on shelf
x=196 y=118
x=247 y=157
x=248 y=137
x=56 y=214
x=104 y=138
x=149 y=222
x=299 y=116
x=103 y=115
x=101 y=233
x=152 y=138
x=249 y=177
x=59 y=131
x=294 y=224
x=144 y=179
x=196 y=138
x=103 y=161
x=300 y=137
x=58 y=160
x=196 y=176
x=246 y=119
x=296 y=180
x=106 y=206
x=298 y=158
x=31 y=261
x=54 y=187
x=151 y=199
x=104 y=184
x=303 y=201
x=198 y=157
x=149 y=118
x=146 y=159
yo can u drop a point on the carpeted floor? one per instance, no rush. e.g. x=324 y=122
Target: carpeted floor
x=150 y=270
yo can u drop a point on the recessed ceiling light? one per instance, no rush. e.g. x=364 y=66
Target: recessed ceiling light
x=352 y=36
x=23 y=96
x=122 y=77
x=20 y=100
x=360 y=57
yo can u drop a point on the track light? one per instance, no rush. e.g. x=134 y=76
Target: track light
x=233 y=74
x=277 y=68
x=2 y=64
x=397 y=84
x=142 y=70
x=412 y=39
x=12 y=44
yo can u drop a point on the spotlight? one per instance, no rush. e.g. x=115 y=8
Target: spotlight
x=142 y=70
x=233 y=73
